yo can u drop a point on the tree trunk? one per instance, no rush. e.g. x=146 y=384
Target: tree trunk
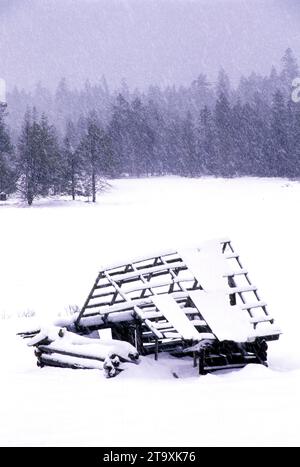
x=94 y=186
x=29 y=197
x=73 y=183
x=73 y=188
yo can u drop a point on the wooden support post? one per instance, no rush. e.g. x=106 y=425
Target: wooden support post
x=156 y=349
x=202 y=362
x=139 y=338
x=195 y=359
x=136 y=339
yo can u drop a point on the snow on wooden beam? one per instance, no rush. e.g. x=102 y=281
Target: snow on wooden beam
x=141 y=259
x=250 y=306
x=242 y=289
x=262 y=319
x=146 y=271
x=156 y=314
x=131 y=304
x=163 y=342
x=161 y=325
x=173 y=335
x=231 y=256
x=173 y=313
x=152 y=328
x=155 y=284
x=264 y=329
x=207 y=265
x=237 y=272
x=155 y=255
x=227 y=322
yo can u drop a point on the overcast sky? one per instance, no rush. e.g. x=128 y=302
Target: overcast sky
x=144 y=41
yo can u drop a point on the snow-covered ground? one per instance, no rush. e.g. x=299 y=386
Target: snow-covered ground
x=50 y=255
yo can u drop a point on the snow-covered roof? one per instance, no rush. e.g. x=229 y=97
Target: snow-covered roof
x=192 y=294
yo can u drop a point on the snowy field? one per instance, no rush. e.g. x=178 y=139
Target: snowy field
x=50 y=255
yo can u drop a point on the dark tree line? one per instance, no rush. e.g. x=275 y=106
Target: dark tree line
x=69 y=142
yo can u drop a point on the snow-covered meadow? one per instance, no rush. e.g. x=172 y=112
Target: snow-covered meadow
x=50 y=255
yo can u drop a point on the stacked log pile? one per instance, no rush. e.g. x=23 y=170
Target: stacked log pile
x=61 y=348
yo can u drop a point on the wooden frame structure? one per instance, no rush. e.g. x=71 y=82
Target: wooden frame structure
x=199 y=302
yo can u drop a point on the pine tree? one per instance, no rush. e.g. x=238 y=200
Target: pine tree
x=118 y=132
x=200 y=94
x=189 y=147
x=38 y=163
x=64 y=103
x=223 y=85
x=156 y=122
x=141 y=138
x=257 y=117
x=72 y=162
x=238 y=161
x=290 y=71
x=206 y=142
x=293 y=139
x=279 y=145
x=52 y=160
x=222 y=119
x=296 y=142
x=96 y=152
x=174 y=161
x=7 y=167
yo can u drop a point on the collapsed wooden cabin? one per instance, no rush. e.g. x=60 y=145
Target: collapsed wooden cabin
x=196 y=302
x=199 y=302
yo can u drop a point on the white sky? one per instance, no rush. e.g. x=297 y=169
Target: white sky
x=144 y=41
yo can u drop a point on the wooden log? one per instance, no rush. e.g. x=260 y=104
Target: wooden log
x=44 y=349
x=64 y=361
